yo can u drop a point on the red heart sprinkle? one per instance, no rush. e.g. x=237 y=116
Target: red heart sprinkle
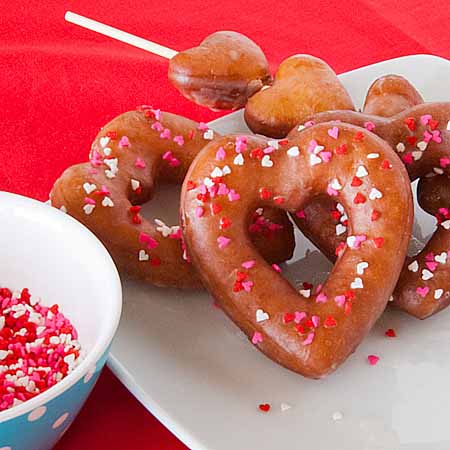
x=348 y=307
x=433 y=124
x=288 y=317
x=359 y=136
x=407 y=158
x=341 y=150
x=411 y=140
x=390 y=333
x=359 y=198
x=410 y=123
x=241 y=276
x=237 y=286
x=265 y=194
x=375 y=215
x=283 y=142
x=300 y=328
x=216 y=208
x=265 y=407
x=349 y=295
x=378 y=241
x=336 y=215
x=137 y=220
x=386 y=164
x=224 y=223
x=339 y=248
x=257 y=153
x=330 y=322
x=190 y=185
x=111 y=134
x=135 y=209
x=356 y=182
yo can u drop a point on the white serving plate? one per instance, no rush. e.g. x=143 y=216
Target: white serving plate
x=192 y=368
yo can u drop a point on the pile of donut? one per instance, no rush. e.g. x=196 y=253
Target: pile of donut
x=342 y=176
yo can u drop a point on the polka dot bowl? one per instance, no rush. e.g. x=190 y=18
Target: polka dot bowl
x=62 y=262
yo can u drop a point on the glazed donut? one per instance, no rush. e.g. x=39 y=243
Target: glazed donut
x=303 y=85
x=421 y=137
x=222 y=72
x=129 y=156
x=311 y=336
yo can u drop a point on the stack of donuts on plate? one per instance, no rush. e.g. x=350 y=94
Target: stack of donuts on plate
x=342 y=176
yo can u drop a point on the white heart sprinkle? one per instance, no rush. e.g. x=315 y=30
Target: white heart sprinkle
x=239 y=160
x=107 y=151
x=401 y=147
x=293 y=152
x=209 y=134
x=302 y=127
x=314 y=159
x=261 y=315
x=442 y=258
x=110 y=173
x=226 y=170
x=414 y=266
x=266 y=161
x=340 y=229
x=208 y=182
x=373 y=156
x=446 y=224
x=88 y=188
x=135 y=184
x=438 y=293
x=426 y=275
x=343 y=218
x=391 y=298
x=318 y=149
x=357 y=283
x=305 y=292
x=375 y=194
x=143 y=256
x=361 y=171
x=217 y=172
x=88 y=209
x=351 y=241
x=274 y=144
x=260 y=211
x=340 y=208
x=111 y=163
x=361 y=267
x=422 y=146
x=107 y=202
x=416 y=155
x=438 y=170
x=104 y=141
x=448 y=126
x=335 y=184
x=285 y=406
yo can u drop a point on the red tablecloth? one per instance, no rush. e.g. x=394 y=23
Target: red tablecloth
x=59 y=84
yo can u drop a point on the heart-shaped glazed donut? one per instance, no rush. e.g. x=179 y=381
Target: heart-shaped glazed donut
x=222 y=72
x=129 y=156
x=303 y=85
x=421 y=137
x=390 y=95
x=311 y=336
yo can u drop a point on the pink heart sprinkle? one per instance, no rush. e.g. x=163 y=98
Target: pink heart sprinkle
x=425 y=119
x=167 y=156
x=89 y=201
x=315 y=320
x=431 y=265
x=331 y=191
x=340 y=300
x=179 y=140
x=310 y=123
x=213 y=190
x=268 y=150
x=241 y=144
x=157 y=126
x=301 y=214
x=199 y=211
x=257 y=338
x=373 y=359
x=202 y=189
x=220 y=155
x=408 y=158
x=233 y=195
x=124 y=142
x=333 y=132
x=165 y=134
x=370 y=126
x=444 y=211
x=223 y=241
x=247 y=285
x=318 y=288
x=223 y=190
x=299 y=316
x=326 y=156
x=312 y=145
x=308 y=339
x=437 y=136
x=276 y=267
x=427 y=136
x=248 y=264
x=321 y=298
x=444 y=162
x=147 y=239
x=174 y=162
x=429 y=256
x=140 y=163
x=423 y=291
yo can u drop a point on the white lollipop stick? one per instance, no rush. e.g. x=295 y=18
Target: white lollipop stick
x=120 y=35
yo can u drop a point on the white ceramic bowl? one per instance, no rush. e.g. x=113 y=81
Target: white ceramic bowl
x=62 y=262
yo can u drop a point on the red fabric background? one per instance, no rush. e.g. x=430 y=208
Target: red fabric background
x=59 y=84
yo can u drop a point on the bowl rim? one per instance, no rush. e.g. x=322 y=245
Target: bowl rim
x=104 y=340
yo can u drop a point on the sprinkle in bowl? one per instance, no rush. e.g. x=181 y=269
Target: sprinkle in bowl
x=63 y=263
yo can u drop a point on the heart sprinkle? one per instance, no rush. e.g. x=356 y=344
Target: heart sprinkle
x=261 y=315
x=373 y=359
